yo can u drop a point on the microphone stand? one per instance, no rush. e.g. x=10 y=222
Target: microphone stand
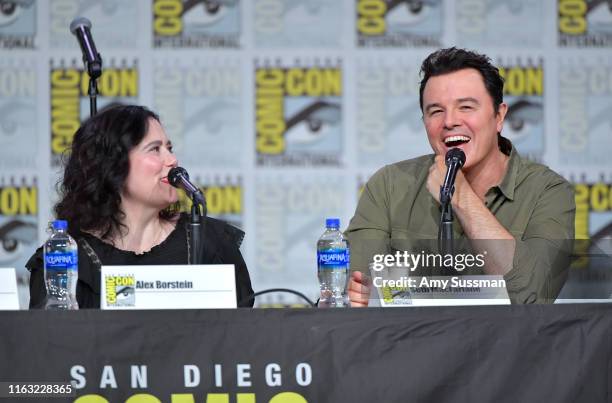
x=455 y=158
x=196 y=229
x=94 y=71
x=445 y=231
x=93 y=94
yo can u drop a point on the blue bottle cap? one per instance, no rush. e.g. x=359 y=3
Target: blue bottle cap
x=60 y=224
x=332 y=223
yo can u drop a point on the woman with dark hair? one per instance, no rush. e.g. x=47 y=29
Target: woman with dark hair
x=121 y=209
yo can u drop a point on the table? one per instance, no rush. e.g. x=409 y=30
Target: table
x=540 y=353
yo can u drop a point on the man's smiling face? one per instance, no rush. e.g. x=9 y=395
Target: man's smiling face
x=458 y=112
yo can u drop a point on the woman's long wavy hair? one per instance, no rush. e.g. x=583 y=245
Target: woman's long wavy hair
x=96 y=169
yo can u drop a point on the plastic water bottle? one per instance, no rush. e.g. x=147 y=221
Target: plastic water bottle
x=333 y=265
x=61 y=268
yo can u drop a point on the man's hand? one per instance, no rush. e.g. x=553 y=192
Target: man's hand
x=437 y=173
x=478 y=223
x=359 y=289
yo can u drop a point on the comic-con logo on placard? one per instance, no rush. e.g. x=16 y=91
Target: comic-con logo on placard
x=18 y=223
x=120 y=290
x=18 y=114
x=585 y=112
x=115 y=24
x=388 y=119
x=17 y=24
x=593 y=214
x=224 y=197
x=493 y=22
x=524 y=95
x=70 y=100
x=298 y=114
x=196 y=23
x=198 y=102
x=399 y=23
x=585 y=23
x=297 y=23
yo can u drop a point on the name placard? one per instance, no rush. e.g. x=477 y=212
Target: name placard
x=168 y=287
x=9 y=300
x=398 y=290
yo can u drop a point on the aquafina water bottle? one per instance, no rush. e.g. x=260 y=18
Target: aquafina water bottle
x=333 y=265
x=61 y=268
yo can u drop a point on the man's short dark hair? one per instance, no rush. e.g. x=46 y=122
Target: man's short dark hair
x=449 y=60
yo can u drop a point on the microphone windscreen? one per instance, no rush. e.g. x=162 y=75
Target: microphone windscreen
x=175 y=174
x=455 y=154
x=79 y=22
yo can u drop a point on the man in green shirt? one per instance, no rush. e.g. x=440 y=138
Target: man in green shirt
x=525 y=207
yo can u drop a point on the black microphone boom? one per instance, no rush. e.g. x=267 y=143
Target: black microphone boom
x=179 y=178
x=455 y=158
x=81 y=28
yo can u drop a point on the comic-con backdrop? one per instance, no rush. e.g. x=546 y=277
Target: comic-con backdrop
x=281 y=109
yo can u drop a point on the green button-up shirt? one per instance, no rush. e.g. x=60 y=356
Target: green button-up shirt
x=532 y=202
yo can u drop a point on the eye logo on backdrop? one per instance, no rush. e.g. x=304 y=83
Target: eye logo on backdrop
x=524 y=95
x=494 y=23
x=298 y=114
x=585 y=111
x=297 y=23
x=70 y=102
x=389 y=125
x=199 y=103
x=585 y=23
x=196 y=23
x=18 y=224
x=17 y=24
x=399 y=23
x=290 y=214
x=224 y=197
x=593 y=214
x=18 y=114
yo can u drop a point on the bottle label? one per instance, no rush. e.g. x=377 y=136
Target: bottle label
x=331 y=259
x=61 y=261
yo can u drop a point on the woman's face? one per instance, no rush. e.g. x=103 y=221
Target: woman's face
x=147 y=181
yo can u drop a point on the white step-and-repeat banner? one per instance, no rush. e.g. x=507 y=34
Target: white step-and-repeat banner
x=281 y=109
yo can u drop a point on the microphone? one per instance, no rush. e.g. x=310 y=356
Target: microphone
x=179 y=178
x=81 y=28
x=455 y=158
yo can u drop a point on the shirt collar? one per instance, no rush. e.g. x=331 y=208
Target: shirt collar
x=508 y=184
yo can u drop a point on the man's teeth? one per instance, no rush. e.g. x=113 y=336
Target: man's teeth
x=456 y=138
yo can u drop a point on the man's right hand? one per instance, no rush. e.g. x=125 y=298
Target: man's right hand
x=359 y=289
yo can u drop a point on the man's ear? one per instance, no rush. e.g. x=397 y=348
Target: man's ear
x=500 y=116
